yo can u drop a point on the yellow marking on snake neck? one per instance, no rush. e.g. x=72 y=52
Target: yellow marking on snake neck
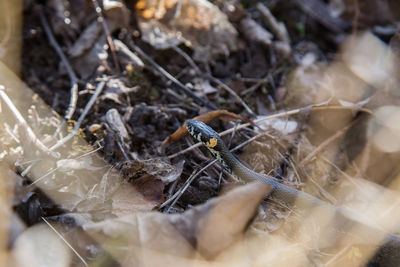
x=212 y=142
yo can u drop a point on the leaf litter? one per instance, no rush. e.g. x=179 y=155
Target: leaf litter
x=108 y=213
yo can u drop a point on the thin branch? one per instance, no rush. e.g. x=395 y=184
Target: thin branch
x=172 y=78
x=255 y=86
x=227 y=88
x=110 y=42
x=66 y=242
x=72 y=76
x=89 y=105
x=56 y=168
x=233 y=93
x=327 y=142
x=179 y=193
x=338 y=255
x=277 y=115
x=187 y=58
x=30 y=134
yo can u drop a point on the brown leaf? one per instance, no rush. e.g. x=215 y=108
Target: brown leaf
x=197 y=23
x=207 y=229
x=206 y=118
x=145 y=194
x=228 y=218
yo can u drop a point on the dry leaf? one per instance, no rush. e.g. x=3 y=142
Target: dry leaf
x=154 y=238
x=127 y=57
x=197 y=23
x=114 y=120
x=86 y=40
x=144 y=194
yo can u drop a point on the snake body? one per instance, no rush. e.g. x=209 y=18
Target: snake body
x=282 y=193
x=342 y=219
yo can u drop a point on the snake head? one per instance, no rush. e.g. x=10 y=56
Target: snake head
x=205 y=134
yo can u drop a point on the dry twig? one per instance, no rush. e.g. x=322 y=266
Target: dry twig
x=255 y=86
x=179 y=193
x=72 y=76
x=233 y=93
x=30 y=134
x=172 y=78
x=187 y=58
x=110 y=42
x=66 y=242
x=277 y=115
x=98 y=91
x=227 y=88
x=328 y=141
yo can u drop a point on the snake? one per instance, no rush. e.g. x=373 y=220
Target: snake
x=343 y=219
x=280 y=192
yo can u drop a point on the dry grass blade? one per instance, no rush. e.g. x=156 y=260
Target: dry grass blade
x=30 y=134
x=328 y=141
x=66 y=242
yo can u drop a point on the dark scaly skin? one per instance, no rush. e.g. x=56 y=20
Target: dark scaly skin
x=282 y=193
x=388 y=253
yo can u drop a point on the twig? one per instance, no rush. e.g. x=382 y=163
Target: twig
x=72 y=76
x=56 y=168
x=255 y=86
x=110 y=42
x=338 y=255
x=98 y=91
x=133 y=58
x=124 y=154
x=327 y=142
x=66 y=242
x=30 y=134
x=239 y=127
x=345 y=175
x=10 y=132
x=172 y=78
x=277 y=115
x=278 y=28
x=227 y=88
x=187 y=58
x=233 y=93
x=179 y=193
